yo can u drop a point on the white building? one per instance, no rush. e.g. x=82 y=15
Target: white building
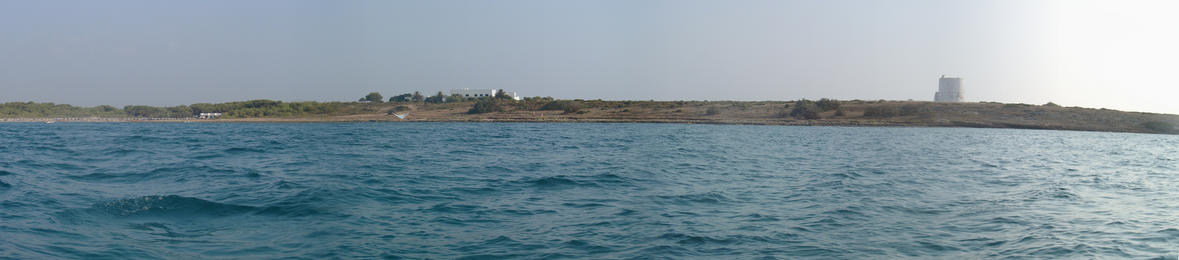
x=513 y=95
x=949 y=90
x=208 y=115
x=479 y=93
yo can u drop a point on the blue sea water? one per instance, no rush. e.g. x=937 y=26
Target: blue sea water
x=527 y=191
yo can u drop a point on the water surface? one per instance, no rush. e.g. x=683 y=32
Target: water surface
x=491 y=190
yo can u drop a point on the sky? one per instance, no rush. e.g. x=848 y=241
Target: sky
x=1091 y=53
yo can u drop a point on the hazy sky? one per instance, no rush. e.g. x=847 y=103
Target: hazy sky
x=1116 y=54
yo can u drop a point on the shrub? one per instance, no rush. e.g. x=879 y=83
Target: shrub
x=1050 y=104
x=712 y=111
x=372 y=97
x=563 y=105
x=401 y=98
x=400 y=108
x=1159 y=127
x=827 y=104
x=805 y=109
x=485 y=106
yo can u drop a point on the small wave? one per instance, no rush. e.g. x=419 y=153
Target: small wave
x=163 y=172
x=626 y=212
x=698 y=198
x=685 y=239
x=310 y=202
x=1056 y=193
x=140 y=138
x=49 y=166
x=570 y=181
x=4 y=185
x=915 y=210
x=180 y=207
x=125 y=152
x=586 y=246
x=491 y=256
x=937 y=248
x=474 y=190
x=290 y=210
x=666 y=251
x=553 y=182
x=521 y=212
x=168 y=205
x=1006 y=221
x=163 y=230
x=105 y=177
x=496 y=245
x=584 y=205
x=755 y=217
x=241 y=150
x=454 y=208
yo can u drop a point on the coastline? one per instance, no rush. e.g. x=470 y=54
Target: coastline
x=852 y=113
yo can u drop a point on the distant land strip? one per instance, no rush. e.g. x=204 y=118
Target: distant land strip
x=823 y=112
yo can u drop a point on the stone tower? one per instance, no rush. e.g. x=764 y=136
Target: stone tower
x=949 y=90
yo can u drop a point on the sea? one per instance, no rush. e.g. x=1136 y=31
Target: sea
x=581 y=191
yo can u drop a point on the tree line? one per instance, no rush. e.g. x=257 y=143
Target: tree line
x=240 y=109
x=416 y=96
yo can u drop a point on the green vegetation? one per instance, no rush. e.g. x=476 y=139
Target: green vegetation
x=34 y=110
x=712 y=111
x=805 y=109
x=485 y=106
x=242 y=109
x=563 y=105
x=811 y=110
x=372 y=97
x=892 y=110
x=158 y=112
x=407 y=97
x=826 y=104
x=271 y=108
x=533 y=103
x=396 y=109
x=435 y=99
x=1159 y=127
x=440 y=107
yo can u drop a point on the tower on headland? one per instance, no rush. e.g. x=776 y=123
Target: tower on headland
x=948 y=90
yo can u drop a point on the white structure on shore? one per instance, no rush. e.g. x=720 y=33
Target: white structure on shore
x=208 y=115
x=949 y=90
x=479 y=93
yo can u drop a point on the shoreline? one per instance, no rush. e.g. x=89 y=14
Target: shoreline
x=854 y=113
x=391 y=119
